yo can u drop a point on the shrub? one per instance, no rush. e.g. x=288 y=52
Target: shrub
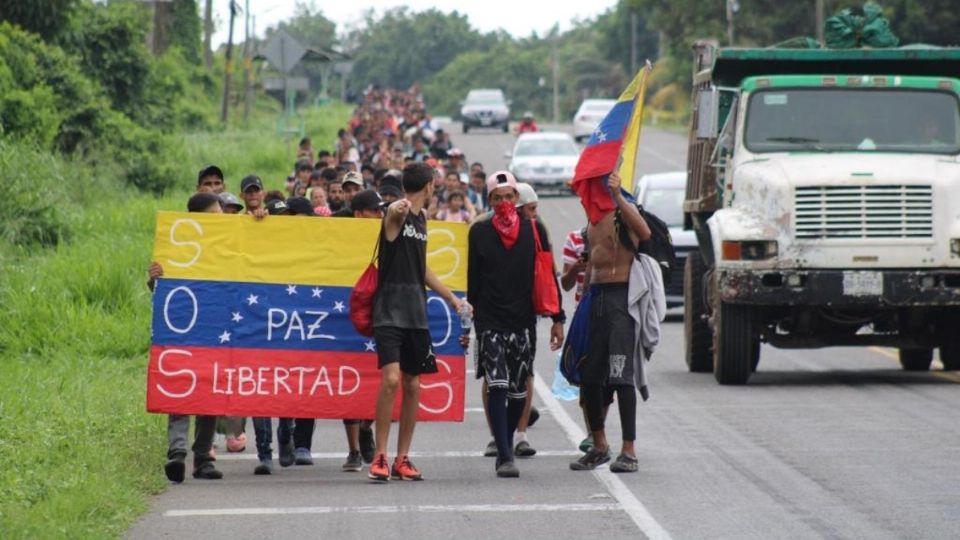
x=32 y=188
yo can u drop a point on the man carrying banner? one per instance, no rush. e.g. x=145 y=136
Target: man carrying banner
x=500 y=275
x=401 y=330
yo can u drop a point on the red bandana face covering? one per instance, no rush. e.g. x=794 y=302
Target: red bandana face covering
x=506 y=222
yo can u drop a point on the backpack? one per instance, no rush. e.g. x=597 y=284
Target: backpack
x=659 y=246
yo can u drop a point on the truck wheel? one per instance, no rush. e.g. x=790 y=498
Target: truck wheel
x=950 y=356
x=696 y=330
x=916 y=359
x=736 y=344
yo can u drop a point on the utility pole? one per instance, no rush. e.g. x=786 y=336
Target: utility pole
x=247 y=64
x=228 y=69
x=820 y=22
x=633 y=42
x=556 y=80
x=207 y=34
x=732 y=7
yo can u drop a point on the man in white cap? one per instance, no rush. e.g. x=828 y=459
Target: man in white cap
x=500 y=279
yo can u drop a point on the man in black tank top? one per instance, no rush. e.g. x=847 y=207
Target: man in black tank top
x=401 y=330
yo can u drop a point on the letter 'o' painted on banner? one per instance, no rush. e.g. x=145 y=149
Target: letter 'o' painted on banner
x=166 y=310
x=193 y=376
x=446 y=385
x=455 y=265
x=446 y=310
x=195 y=245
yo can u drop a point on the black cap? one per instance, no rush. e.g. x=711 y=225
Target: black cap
x=277 y=207
x=209 y=170
x=390 y=189
x=248 y=181
x=300 y=206
x=367 y=199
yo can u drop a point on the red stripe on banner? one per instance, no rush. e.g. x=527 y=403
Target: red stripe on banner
x=289 y=384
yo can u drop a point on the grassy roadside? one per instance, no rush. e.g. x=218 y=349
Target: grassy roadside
x=80 y=456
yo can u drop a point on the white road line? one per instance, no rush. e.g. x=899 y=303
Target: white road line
x=631 y=505
x=439 y=508
x=424 y=455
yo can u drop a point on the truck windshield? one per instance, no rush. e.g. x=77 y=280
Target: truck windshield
x=853 y=120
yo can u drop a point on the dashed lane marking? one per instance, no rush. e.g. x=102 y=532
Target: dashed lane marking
x=440 y=508
x=423 y=455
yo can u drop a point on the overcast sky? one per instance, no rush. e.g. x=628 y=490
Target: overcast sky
x=518 y=17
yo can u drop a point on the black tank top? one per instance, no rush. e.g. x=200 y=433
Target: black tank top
x=401 y=293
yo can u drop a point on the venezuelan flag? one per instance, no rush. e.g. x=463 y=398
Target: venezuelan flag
x=613 y=146
x=252 y=318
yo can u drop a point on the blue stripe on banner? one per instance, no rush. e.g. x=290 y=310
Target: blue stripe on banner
x=612 y=126
x=194 y=313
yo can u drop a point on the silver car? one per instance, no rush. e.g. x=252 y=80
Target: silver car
x=485 y=108
x=544 y=159
x=662 y=194
x=589 y=116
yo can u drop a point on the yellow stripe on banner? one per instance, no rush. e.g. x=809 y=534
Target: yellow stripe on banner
x=290 y=249
x=631 y=139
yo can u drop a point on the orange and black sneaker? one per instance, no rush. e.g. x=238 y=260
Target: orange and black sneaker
x=379 y=471
x=404 y=470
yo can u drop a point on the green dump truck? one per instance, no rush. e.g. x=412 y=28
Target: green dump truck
x=824 y=191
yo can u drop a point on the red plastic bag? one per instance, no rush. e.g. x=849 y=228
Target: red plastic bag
x=546 y=298
x=361 y=300
x=364 y=293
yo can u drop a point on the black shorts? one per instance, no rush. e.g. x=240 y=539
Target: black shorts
x=412 y=348
x=610 y=356
x=504 y=360
x=533 y=353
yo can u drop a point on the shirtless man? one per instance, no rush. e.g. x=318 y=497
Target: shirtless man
x=609 y=364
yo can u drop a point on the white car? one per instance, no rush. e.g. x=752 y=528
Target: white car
x=589 y=116
x=662 y=195
x=544 y=159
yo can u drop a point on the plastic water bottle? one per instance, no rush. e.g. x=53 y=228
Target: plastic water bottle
x=561 y=388
x=466 y=320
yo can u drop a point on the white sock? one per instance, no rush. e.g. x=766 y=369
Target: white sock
x=521 y=436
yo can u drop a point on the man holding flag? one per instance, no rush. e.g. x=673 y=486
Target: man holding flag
x=615 y=230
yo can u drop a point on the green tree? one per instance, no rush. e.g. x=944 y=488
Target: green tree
x=308 y=26
x=401 y=47
x=613 y=35
x=45 y=17
x=185 y=29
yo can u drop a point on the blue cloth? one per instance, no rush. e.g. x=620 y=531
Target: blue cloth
x=577 y=344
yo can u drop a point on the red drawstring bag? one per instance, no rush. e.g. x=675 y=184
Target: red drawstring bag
x=546 y=298
x=363 y=294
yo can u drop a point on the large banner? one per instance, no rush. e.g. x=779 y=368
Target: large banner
x=251 y=318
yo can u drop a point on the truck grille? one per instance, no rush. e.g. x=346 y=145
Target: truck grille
x=884 y=211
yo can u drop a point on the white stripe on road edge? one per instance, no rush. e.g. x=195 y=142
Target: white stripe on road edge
x=631 y=505
x=424 y=455
x=395 y=509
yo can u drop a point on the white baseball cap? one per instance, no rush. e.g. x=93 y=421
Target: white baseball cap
x=527 y=194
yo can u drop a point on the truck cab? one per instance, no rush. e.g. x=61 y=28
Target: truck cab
x=823 y=193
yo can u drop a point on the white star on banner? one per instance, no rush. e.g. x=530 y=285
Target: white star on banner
x=339 y=307
x=252 y=299
x=237 y=317
x=291 y=289
x=370 y=346
x=601 y=136
x=317 y=291
x=225 y=337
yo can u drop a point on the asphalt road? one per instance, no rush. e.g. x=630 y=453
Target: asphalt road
x=832 y=443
